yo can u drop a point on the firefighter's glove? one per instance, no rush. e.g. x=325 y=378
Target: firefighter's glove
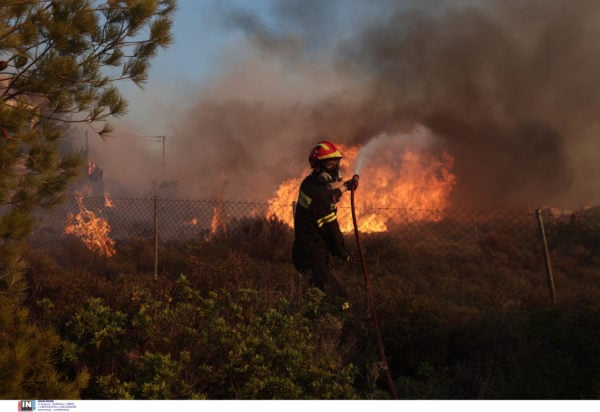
x=351 y=184
x=350 y=258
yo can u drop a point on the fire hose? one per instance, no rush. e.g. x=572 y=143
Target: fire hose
x=370 y=302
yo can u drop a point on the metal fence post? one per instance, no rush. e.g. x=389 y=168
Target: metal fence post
x=547 y=262
x=155 y=237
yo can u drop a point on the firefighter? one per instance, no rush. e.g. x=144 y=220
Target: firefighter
x=317 y=233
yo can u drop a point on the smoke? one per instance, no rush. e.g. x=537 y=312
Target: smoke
x=506 y=87
x=419 y=139
x=510 y=87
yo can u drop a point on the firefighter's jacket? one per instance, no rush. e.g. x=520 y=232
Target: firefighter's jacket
x=316 y=229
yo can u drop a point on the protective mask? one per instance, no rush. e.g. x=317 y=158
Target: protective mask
x=330 y=175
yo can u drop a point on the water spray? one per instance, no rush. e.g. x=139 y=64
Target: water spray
x=367 y=151
x=370 y=303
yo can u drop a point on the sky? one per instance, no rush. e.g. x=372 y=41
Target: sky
x=508 y=88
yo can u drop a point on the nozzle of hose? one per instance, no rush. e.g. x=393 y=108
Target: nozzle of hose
x=355 y=180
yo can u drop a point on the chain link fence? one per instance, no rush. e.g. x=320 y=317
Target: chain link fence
x=449 y=234
x=165 y=219
x=185 y=219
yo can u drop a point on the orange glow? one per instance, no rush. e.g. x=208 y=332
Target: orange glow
x=91 y=229
x=408 y=178
x=107 y=200
x=217 y=219
x=192 y=222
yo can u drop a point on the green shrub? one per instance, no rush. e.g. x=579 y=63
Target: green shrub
x=229 y=345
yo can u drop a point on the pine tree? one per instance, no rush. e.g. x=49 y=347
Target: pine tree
x=27 y=359
x=60 y=63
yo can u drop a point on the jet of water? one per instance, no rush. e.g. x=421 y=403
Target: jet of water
x=367 y=151
x=418 y=137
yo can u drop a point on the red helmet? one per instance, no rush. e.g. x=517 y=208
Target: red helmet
x=322 y=151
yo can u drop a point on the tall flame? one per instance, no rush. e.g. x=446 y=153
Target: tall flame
x=411 y=179
x=217 y=220
x=91 y=229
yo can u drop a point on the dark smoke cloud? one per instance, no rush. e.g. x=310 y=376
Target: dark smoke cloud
x=510 y=88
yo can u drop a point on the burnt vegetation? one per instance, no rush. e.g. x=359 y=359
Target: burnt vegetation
x=226 y=318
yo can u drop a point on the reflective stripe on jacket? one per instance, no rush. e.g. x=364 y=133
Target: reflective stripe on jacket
x=316 y=229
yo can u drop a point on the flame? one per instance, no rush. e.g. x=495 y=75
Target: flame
x=91 y=166
x=107 y=200
x=217 y=219
x=192 y=222
x=410 y=178
x=91 y=229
